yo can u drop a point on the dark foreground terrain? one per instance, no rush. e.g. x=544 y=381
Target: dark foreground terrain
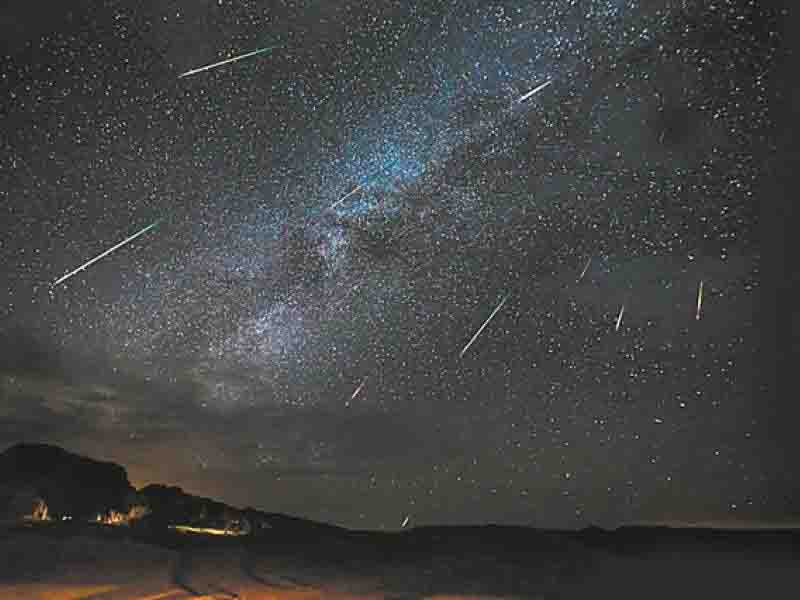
x=73 y=550
x=66 y=561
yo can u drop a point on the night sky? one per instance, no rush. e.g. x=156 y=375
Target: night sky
x=337 y=217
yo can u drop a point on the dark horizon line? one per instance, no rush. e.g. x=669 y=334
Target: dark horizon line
x=694 y=525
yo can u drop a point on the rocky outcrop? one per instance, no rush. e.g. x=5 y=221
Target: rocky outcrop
x=40 y=479
x=69 y=484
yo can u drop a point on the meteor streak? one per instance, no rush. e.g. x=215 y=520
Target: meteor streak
x=361 y=185
x=535 y=90
x=485 y=323
x=405 y=522
x=347 y=195
x=619 y=317
x=358 y=389
x=586 y=268
x=106 y=253
x=699 y=300
x=226 y=61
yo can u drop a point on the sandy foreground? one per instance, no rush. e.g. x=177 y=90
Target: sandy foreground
x=34 y=566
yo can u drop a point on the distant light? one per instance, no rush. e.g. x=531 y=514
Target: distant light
x=205 y=530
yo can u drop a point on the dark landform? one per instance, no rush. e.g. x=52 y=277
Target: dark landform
x=78 y=551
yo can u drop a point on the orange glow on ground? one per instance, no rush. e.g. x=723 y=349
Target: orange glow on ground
x=203 y=530
x=54 y=591
x=62 y=591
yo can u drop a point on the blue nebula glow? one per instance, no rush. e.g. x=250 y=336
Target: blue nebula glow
x=471 y=67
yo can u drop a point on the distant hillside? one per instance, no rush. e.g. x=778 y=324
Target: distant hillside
x=82 y=488
x=171 y=505
x=69 y=484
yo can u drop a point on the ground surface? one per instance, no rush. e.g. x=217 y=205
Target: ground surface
x=93 y=564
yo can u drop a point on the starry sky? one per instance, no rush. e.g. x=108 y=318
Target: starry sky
x=339 y=215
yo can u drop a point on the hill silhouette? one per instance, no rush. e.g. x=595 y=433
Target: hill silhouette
x=81 y=488
x=291 y=557
x=68 y=483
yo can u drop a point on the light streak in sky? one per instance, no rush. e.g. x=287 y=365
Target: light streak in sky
x=107 y=252
x=535 y=90
x=699 y=300
x=586 y=268
x=226 y=61
x=358 y=389
x=485 y=323
x=343 y=198
x=405 y=522
x=619 y=317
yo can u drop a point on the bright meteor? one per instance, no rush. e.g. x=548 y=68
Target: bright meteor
x=586 y=268
x=225 y=62
x=107 y=252
x=535 y=91
x=358 y=389
x=485 y=323
x=699 y=301
x=347 y=195
x=619 y=318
